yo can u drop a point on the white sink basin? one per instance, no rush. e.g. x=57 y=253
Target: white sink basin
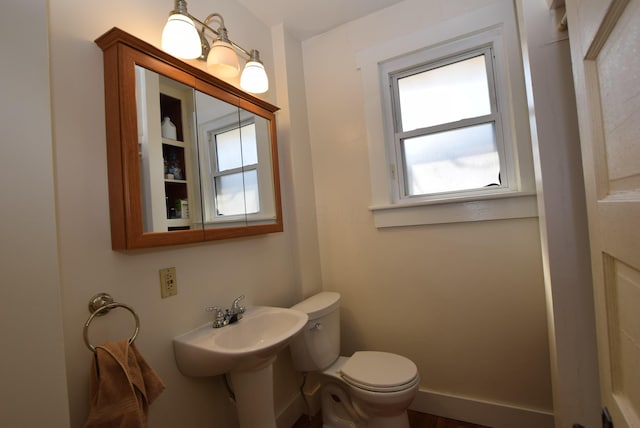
x=249 y=344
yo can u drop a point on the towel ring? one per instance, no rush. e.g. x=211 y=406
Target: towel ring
x=99 y=305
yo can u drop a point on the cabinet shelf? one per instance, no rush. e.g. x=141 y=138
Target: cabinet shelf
x=178 y=222
x=171 y=142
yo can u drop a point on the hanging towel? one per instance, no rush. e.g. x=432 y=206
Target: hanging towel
x=122 y=387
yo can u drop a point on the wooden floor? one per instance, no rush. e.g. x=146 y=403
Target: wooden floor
x=416 y=420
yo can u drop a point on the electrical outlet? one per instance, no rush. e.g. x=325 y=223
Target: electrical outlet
x=168 y=282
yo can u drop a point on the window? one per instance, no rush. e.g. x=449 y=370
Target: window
x=234 y=162
x=447 y=123
x=446 y=126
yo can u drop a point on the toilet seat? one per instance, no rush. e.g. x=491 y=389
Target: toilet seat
x=379 y=372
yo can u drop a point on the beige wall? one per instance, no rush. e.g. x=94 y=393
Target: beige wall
x=32 y=371
x=214 y=273
x=465 y=301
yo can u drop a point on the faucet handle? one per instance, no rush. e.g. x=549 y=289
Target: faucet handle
x=219 y=314
x=215 y=309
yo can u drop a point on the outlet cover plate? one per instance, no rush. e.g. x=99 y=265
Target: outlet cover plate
x=168 y=282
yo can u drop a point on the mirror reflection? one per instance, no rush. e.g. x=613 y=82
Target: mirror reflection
x=235 y=164
x=204 y=163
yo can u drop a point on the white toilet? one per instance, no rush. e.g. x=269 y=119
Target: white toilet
x=369 y=389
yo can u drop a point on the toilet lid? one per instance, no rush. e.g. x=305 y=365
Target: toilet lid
x=379 y=371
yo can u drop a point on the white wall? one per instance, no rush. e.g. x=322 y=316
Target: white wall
x=34 y=390
x=294 y=138
x=213 y=273
x=464 y=301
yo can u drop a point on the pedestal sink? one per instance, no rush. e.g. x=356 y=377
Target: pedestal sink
x=246 y=350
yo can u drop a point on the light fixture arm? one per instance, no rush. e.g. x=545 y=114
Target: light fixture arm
x=221 y=32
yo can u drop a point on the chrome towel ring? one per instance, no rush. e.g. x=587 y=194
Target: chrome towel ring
x=101 y=304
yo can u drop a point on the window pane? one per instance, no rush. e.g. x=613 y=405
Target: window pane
x=249 y=147
x=449 y=161
x=237 y=194
x=251 y=193
x=228 y=146
x=444 y=94
x=228 y=150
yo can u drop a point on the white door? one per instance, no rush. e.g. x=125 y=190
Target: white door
x=605 y=46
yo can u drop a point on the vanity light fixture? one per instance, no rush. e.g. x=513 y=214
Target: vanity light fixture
x=181 y=38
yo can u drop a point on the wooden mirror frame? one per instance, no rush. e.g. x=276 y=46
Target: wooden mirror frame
x=122 y=52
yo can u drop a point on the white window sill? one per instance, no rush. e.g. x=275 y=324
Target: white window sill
x=494 y=207
x=236 y=221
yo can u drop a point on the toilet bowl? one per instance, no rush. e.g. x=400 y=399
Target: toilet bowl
x=369 y=389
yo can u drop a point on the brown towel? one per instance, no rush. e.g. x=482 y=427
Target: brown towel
x=122 y=387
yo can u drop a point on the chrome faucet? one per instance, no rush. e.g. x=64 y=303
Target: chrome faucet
x=228 y=316
x=237 y=310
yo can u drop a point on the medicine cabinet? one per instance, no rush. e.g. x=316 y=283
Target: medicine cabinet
x=190 y=157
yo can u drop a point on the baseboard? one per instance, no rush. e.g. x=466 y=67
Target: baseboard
x=291 y=412
x=495 y=415
x=297 y=406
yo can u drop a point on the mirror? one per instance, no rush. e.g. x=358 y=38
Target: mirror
x=234 y=147
x=190 y=157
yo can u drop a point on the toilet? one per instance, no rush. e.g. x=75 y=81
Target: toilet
x=369 y=389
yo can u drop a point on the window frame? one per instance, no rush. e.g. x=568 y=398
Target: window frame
x=398 y=136
x=208 y=167
x=495 y=24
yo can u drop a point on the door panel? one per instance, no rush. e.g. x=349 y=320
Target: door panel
x=605 y=45
x=622 y=283
x=620 y=98
x=591 y=13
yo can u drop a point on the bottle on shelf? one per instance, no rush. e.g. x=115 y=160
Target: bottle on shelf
x=184 y=208
x=168 y=129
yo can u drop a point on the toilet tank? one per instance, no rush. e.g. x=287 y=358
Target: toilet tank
x=318 y=344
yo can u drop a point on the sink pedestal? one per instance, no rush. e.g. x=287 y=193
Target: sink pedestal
x=254 y=396
x=246 y=350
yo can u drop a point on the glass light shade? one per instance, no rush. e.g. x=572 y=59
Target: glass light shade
x=180 y=37
x=223 y=60
x=254 y=78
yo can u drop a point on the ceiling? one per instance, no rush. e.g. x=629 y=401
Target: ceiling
x=307 y=18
